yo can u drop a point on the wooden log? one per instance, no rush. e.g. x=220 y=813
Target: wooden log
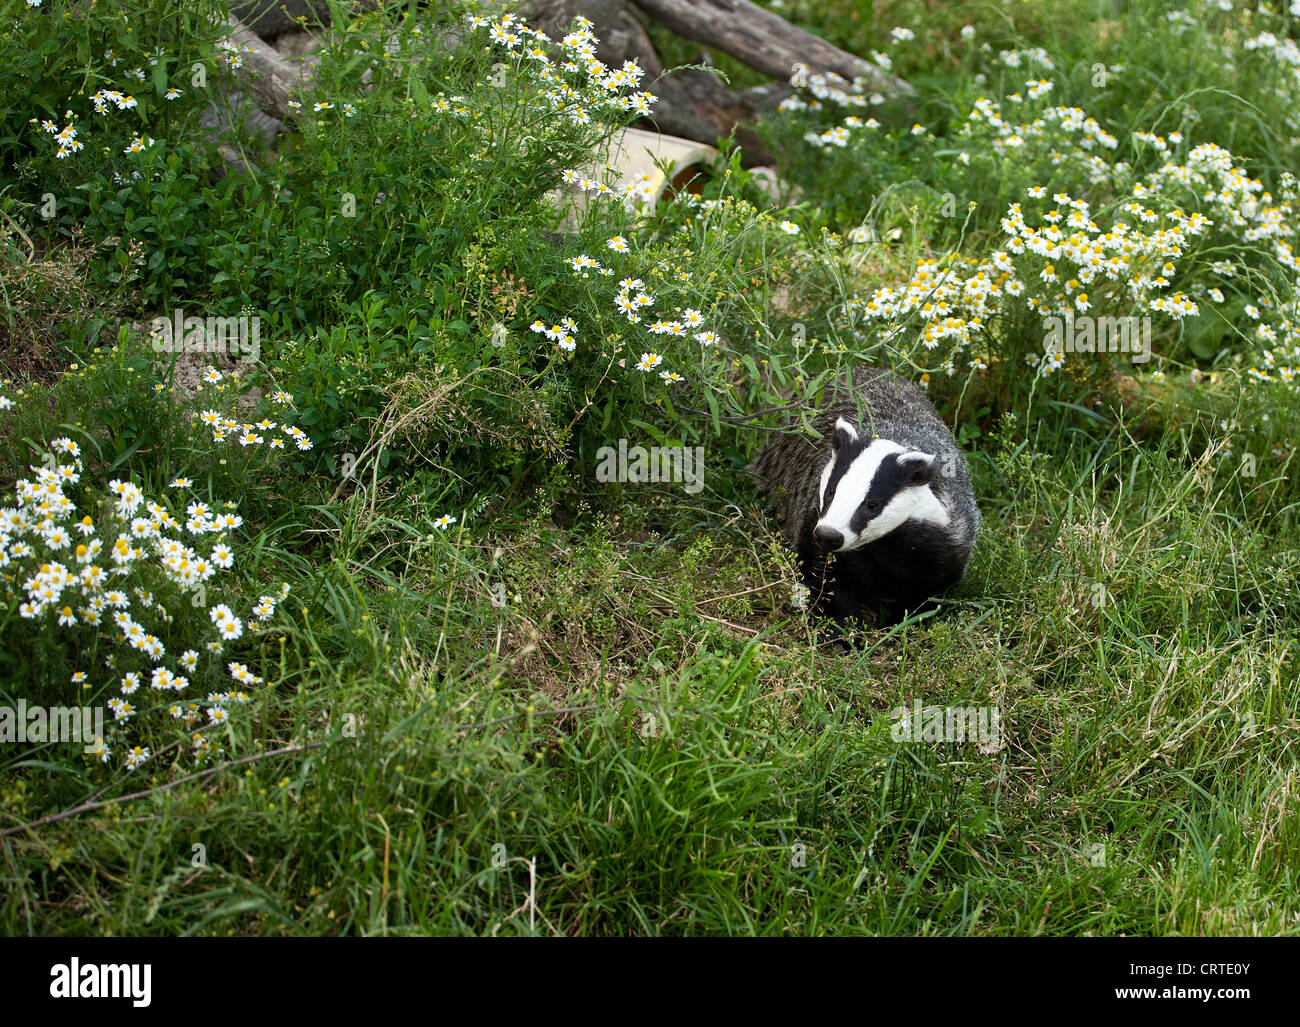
x=696 y=104
x=765 y=41
x=268 y=18
x=692 y=103
x=269 y=77
x=236 y=112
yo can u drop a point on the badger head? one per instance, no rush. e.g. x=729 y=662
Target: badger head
x=871 y=486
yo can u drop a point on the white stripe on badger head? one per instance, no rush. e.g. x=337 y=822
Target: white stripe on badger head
x=917 y=503
x=826 y=480
x=852 y=488
x=841 y=425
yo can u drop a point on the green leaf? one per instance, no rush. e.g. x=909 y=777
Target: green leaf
x=712 y=400
x=657 y=434
x=1206 y=333
x=416 y=88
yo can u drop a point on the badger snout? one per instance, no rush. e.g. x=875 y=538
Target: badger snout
x=828 y=537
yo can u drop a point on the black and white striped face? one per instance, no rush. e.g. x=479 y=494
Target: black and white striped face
x=871 y=486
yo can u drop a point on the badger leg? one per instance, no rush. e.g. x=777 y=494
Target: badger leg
x=812 y=572
x=826 y=598
x=841 y=606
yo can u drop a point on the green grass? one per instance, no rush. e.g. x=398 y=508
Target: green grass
x=589 y=709
x=1153 y=734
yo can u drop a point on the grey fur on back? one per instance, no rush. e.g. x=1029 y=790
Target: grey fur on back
x=878 y=403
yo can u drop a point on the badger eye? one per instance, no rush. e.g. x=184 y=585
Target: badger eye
x=872 y=505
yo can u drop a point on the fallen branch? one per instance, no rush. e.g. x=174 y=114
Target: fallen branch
x=87 y=807
x=269 y=77
x=269 y=18
x=765 y=41
x=93 y=803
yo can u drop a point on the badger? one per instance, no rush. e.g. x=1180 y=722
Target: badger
x=879 y=510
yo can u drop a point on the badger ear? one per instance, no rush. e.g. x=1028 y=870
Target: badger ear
x=843 y=434
x=918 y=466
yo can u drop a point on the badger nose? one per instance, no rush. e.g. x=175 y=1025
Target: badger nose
x=828 y=537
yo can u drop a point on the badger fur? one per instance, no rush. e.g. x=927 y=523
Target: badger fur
x=879 y=510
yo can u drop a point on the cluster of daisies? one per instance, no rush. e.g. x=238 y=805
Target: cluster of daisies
x=1024 y=58
x=561 y=334
x=634 y=193
x=321 y=106
x=226 y=429
x=231 y=54
x=1284 y=55
x=67 y=139
x=1001 y=136
x=827 y=91
x=1167 y=249
x=572 y=81
x=1241 y=212
x=727 y=215
x=821 y=89
x=92 y=582
x=634 y=301
x=104 y=100
x=1063 y=266
x=1065 y=140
